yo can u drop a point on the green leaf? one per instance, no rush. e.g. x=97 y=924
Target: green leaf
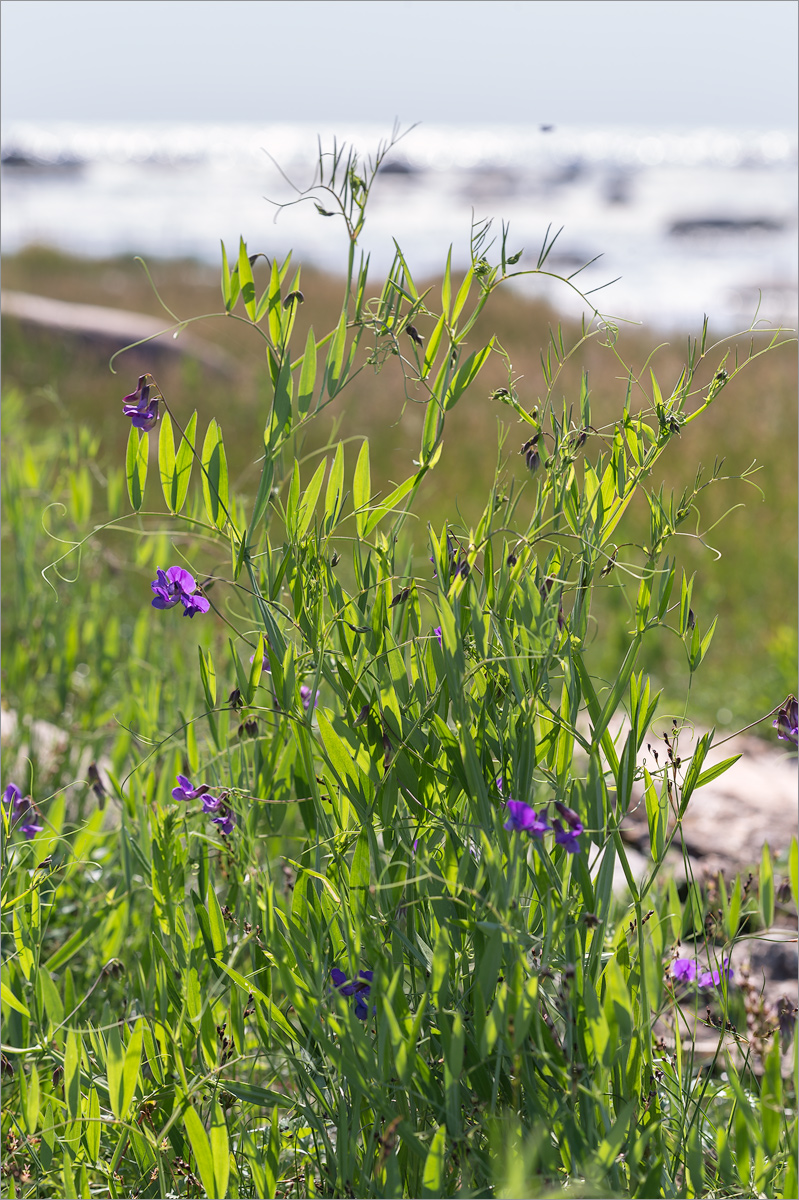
x=335 y=358
x=334 y=496
x=73 y=944
x=766 y=888
x=216 y=922
x=695 y=768
x=166 y=461
x=30 y=1098
x=225 y=279
x=11 y=1000
x=655 y=818
x=713 y=772
x=220 y=1150
x=275 y=317
x=130 y=1070
x=201 y=1148
x=307 y=375
x=215 y=476
x=208 y=677
x=446 y=287
x=380 y=510
x=362 y=489
x=114 y=1066
x=136 y=460
x=361 y=869
x=433 y=344
x=463 y=294
x=184 y=461
x=72 y=1055
x=251 y=1093
x=466 y=375
x=262 y=498
x=246 y=282
x=433 y=1174
x=92 y=1128
x=307 y=505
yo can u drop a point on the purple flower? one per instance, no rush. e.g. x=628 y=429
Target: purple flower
x=226 y=821
x=683 y=970
x=500 y=781
x=305 y=696
x=20 y=806
x=360 y=988
x=570 y=817
x=712 y=978
x=185 y=791
x=211 y=804
x=524 y=819
x=437 y=632
x=142 y=411
x=567 y=838
x=12 y=796
x=30 y=829
x=265 y=664
x=787 y=722
x=177 y=586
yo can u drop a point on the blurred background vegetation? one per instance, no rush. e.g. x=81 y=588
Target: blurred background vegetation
x=64 y=441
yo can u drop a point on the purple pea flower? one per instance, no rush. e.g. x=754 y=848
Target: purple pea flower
x=683 y=970
x=439 y=635
x=177 y=586
x=265 y=664
x=185 y=791
x=570 y=817
x=195 y=604
x=305 y=697
x=787 y=722
x=12 y=796
x=567 y=838
x=142 y=411
x=20 y=806
x=211 y=804
x=360 y=988
x=524 y=819
x=712 y=978
x=226 y=821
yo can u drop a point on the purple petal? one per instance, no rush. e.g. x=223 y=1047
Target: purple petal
x=195 y=604
x=12 y=795
x=566 y=838
x=684 y=969
x=524 y=819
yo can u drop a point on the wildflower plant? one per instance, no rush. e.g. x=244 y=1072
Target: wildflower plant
x=388 y=953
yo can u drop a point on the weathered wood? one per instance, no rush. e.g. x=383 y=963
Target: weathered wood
x=110 y=327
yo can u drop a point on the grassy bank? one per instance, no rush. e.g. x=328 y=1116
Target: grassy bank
x=63 y=382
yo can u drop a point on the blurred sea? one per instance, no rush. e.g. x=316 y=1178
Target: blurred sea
x=692 y=221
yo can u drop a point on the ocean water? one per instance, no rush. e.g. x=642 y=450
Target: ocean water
x=686 y=222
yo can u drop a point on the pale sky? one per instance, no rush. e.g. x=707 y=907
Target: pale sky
x=597 y=62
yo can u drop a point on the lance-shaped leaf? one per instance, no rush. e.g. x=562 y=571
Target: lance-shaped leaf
x=307 y=375
x=184 y=461
x=215 y=476
x=166 y=461
x=361 y=489
x=307 y=504
x=246 y=281
x=201 y=1148
x=136 y=466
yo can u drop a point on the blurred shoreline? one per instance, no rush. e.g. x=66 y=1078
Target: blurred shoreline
x=692 y=221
